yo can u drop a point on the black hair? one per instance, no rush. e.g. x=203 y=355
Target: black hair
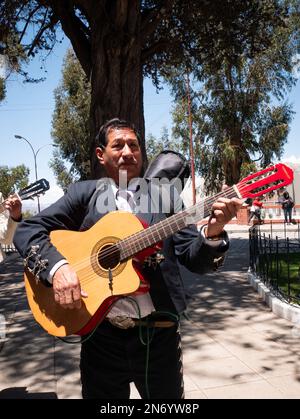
x=101 y=137
x=286 y=195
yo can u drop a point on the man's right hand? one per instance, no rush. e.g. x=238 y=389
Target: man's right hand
x=66 y=287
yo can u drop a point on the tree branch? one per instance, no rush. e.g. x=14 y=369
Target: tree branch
x=31 y=14
x=151 y=19
x=73 y=28
x=20 y=11
x=154 y=49
x=85 y=6
x=42 y=29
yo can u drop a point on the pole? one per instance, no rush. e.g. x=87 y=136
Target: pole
x=36 y=178
x=294 y=198
x=192 y=159
x=35 y=153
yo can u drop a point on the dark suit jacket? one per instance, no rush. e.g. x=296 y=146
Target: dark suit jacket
x=78 y=210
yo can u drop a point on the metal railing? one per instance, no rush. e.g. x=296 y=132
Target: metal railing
x=275 y=259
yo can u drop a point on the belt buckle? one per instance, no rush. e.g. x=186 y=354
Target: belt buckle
x=122 y=322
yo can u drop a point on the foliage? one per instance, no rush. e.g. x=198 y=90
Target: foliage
x=71 y=123
x=2 y=89
x=283 y=272
x=64 y=177
x=27 y=214
x=154 y=146
x=236 y=118
x=119 y=42
x=12 y=179
x=171 y=31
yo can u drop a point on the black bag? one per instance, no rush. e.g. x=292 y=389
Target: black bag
x=170 y=165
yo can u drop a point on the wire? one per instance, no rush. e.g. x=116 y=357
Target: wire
x=149 y=338
x=83 y=340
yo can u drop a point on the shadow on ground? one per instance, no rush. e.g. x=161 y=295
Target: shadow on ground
x=23 y=393
x=225 y=312
x=29 y=357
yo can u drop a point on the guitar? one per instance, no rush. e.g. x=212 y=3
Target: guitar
x=103 y=255
x=34 y=189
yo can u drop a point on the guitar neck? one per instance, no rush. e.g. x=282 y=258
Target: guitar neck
x=166 y=228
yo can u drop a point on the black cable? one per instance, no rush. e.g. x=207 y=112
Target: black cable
x=149 y=338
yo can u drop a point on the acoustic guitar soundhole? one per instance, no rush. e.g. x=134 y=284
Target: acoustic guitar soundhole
x=109 y=257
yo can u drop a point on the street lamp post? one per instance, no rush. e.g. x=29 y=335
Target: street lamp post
x=192 y=158
x=35 y=153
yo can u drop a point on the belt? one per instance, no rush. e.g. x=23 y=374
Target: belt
x=127 y=322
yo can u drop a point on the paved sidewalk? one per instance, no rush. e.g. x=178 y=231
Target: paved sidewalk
x=233 y=345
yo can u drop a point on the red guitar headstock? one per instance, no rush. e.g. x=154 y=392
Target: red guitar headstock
x=266 y=180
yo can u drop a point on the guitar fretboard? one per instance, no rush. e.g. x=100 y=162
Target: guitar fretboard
x=166 y=228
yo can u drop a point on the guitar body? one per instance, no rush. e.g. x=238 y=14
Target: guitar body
x=80 y=248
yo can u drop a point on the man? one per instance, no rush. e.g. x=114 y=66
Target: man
x=255 y=210
x=139 y=340
x=10 y=215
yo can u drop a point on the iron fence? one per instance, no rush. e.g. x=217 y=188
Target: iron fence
x=275 y=259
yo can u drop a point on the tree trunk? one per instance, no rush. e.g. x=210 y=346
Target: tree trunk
x=117 y=77
x=232 y=170
x=232 y=166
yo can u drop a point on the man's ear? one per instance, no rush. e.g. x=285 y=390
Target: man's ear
x=99 y=153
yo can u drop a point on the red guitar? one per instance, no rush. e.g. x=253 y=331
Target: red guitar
x=102 y=256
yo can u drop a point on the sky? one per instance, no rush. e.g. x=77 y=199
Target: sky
x=27 y=111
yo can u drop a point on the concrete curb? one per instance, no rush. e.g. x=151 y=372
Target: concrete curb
x=279 y=307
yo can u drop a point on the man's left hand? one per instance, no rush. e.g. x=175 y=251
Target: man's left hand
x=14 y=206
x=223 y=210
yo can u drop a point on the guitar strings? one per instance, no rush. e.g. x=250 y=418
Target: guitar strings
x=228 y=193
x=89 y=275
x=131 y=239
x=112 y=253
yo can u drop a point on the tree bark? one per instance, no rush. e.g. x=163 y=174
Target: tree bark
x=116 y=77
x=232 y=170
x=232 y=167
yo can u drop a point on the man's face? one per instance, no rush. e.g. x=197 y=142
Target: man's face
x=122 y=153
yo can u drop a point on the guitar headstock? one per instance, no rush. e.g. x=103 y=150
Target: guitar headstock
x=34 y=189
x=265 y=181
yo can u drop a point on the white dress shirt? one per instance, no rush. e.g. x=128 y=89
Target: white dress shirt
x=125 y=306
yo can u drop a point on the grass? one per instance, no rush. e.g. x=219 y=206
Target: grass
x=283 y=273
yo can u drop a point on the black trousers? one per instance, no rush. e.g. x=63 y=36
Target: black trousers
x=112 y=358
x=288 y=214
